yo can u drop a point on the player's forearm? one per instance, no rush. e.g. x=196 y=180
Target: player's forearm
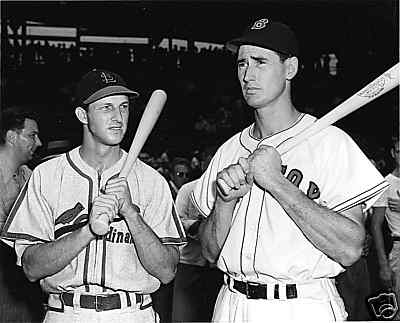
x=214 y=230
x=376 y=230
x=336 y=235
x=158 y=259
x=46 y=259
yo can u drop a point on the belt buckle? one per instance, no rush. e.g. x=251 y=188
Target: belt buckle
x=249 y=293
x=98 y=305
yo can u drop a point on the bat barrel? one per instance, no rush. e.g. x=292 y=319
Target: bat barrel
x=382 y=84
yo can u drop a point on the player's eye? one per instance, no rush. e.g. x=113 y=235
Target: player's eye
x=261 y=61
x=106 y=108
x=124 y=107
x=242 y=63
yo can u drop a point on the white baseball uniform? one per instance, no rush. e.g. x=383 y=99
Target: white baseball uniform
x=265 y=246
x=57 y=200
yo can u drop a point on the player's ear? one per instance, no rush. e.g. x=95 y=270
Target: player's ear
x=81 y=114
x=11 y=136
x=292 y=66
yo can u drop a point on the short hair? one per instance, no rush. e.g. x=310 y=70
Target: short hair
x=283 y=57
x=180 y=161
x=13 y=118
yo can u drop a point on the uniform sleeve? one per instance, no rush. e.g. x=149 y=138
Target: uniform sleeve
x=161 y=214
x=382 y=200
x=30 y=220
x=350 y=177
x=184 y=206
x=205 y=192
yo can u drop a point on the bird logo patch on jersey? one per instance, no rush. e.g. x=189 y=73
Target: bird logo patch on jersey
x=260 y=24
x=68 y=216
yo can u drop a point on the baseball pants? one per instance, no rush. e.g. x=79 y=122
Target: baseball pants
x=318 y=301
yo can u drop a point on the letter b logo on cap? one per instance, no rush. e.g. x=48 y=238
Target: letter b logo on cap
x=260 y=24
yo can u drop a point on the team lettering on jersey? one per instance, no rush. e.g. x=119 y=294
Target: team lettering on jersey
x=296 y=176
x=70 y=220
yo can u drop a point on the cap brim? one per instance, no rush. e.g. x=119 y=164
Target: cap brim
x=248 y=39
x=234 y=44
x=110 y=90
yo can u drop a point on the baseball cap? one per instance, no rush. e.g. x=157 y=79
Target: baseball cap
x=267 y=34
x=98 y=84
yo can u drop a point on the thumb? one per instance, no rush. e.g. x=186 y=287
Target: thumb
x=249 y=178
x=244 y=163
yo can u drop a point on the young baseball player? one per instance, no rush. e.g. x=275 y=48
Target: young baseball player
x=388 y=206
x=281 y=227
x=92 y=278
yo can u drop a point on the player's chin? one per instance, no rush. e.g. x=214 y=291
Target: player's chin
x=113 y=140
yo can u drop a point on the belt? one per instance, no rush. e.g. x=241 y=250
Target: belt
x=99 y=302
x=256 y=291
x=395 y=238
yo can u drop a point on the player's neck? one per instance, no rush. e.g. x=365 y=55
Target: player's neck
x=100 y=157
x=9 y=162
x=271 y=121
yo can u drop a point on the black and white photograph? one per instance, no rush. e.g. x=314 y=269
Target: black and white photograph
x=199 y=161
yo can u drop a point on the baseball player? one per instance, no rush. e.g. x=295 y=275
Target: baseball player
x=281 y=227
x=388 y=206
x=92 y=278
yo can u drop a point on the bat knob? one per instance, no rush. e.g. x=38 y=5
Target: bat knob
x=100 y=225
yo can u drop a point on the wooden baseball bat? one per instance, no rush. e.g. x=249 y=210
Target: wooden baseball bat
x=146 y=124
x=379 y=86
x=149 y=118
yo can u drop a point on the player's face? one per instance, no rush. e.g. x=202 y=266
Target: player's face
x=27 y=140
x=108 y=119
x=261 y=74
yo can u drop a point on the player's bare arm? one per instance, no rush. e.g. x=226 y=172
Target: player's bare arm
x=231 y=185
x=339 y=236
x=385 y=272
x=158 y=259
x=394 y=203
x=46 y=259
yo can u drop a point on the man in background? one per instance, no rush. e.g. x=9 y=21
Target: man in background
x=388 y=206
x=20 y=300
x=162 y=298
x=197 y=281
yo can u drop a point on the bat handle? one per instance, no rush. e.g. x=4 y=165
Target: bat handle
x=100 y=225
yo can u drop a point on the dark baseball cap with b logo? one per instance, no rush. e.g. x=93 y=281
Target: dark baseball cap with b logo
x=98 y=84
x=267 y=34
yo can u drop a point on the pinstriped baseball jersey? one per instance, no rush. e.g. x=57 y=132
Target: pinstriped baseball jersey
x=264 y=244
x=57 y=200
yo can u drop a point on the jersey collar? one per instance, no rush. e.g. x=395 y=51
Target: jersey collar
x=250 y=143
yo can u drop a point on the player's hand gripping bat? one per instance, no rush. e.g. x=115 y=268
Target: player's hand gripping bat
x=379 y=86
x=150 y=115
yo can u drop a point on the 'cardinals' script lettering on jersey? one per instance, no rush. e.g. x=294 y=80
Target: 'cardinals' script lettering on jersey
x=57 y=201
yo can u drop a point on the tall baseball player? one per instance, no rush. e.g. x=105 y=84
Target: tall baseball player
x=281 y=227
x=92 y=278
